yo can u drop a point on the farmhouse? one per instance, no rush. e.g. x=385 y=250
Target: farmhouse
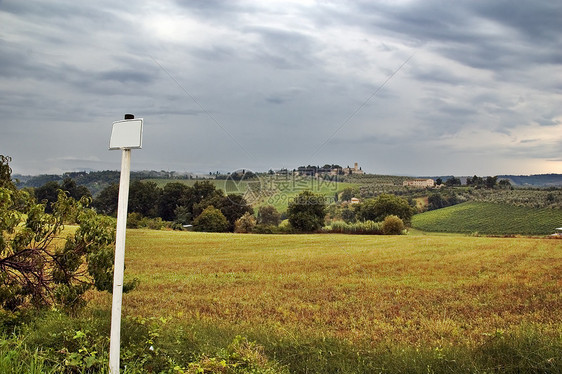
x=419 y=183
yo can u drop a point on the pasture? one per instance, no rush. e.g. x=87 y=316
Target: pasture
x=367 y=290
x=323 y=303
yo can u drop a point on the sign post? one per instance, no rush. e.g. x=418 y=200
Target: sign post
x=125 y=135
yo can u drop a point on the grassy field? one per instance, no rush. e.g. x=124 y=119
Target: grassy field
x=367 y=290
x=270 y=190
x=489 y=219
x=320 y=303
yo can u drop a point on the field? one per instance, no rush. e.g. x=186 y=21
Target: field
x=490 y=219
x=322 y=303
x=270 y=189
x=421 y=291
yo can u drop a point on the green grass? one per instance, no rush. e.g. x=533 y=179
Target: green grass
x=323 y=303
x=489 y=219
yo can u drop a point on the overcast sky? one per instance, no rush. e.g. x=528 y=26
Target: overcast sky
x=401 y=87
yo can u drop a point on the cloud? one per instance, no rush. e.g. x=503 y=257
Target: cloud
x=225 y=85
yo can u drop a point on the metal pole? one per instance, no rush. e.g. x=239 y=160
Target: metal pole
x=119 y=266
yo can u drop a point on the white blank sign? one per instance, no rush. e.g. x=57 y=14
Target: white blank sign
x=126 y=134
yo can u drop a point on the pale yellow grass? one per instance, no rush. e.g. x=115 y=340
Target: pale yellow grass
x=410 y=289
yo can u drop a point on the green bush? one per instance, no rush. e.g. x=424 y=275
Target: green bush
x=137 y=221
x=266 y=229
x=392 y=225
x=210 y=220
x=360 y=228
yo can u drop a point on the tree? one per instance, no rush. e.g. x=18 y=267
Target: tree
x=439 y=181
x=504 y=184
x=435 y=201
x=6 y=173
x=268 y=215
x=143 y=198
x=76 y=192
x=452 y=182
x=210 y=220
x=35 y=272
x=47 y=194
x=245 y=224
x=392 y=225
x=106 y=201
x=234 y=207
x=348 y=193
x=348 y=215
x=173 y=195
x=491 y=182
x=307 y=211
x=385 y=205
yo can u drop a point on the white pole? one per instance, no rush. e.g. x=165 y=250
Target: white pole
x=119 y=266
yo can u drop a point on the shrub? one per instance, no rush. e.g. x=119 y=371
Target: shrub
x=361 y=228
x=137 y=221
x=245 y=224
x=210 y=220
x=392 y=225
x=266 y=229
x=285 y=226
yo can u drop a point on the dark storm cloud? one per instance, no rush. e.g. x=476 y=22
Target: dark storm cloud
x=214 y=79
x=487 y=35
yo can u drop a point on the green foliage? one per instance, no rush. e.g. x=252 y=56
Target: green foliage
x=106 y=201
x=452 y=182
x=173 y=195
x=210 y=220
x=361 y=228
x=267 y=229
x=143 y=198
x=306 y=212
x=489 y=219
x=48 y=193
x=6 y=173
x=268 y=215
x=137 y=221
x=234 y=207
x=348 y=193
x=56 y=344
x=245 y=224
x=35 y=271
x=393 y=225
x=384 y=205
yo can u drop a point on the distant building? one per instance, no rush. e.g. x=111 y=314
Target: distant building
x=419 y=183
x=355 y=200
x=355 y=170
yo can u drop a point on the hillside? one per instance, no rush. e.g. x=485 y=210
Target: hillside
x=489 y=219
x=539 y=180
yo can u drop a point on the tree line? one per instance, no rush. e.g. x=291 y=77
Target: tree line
x=179 y=203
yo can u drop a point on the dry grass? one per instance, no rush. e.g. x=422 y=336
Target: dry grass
x=415 y=290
